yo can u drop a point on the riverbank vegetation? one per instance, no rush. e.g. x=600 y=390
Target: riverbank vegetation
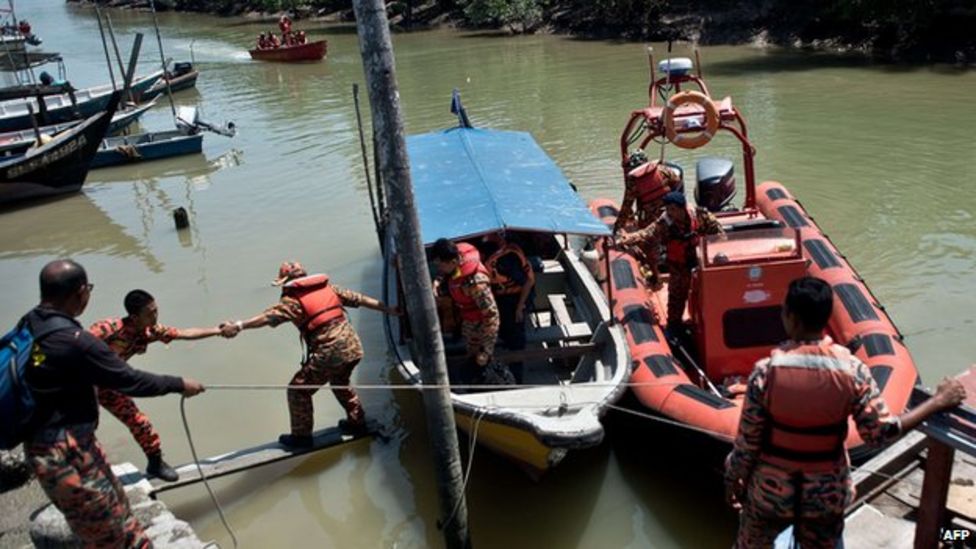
x=931 y=30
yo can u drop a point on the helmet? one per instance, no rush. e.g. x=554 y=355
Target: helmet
x=287 y=271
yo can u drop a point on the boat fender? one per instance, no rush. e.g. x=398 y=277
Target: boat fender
x=691 y=140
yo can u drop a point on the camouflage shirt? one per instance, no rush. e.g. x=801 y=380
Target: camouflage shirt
x=665 y=228
x=122 y=336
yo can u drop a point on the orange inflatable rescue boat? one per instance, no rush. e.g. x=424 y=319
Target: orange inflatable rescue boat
x=732 y=318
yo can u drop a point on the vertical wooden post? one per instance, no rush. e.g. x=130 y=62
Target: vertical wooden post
x=133 y=60
x=118 y=56
x=935 y=490
x=108 y=59
x=377 y=52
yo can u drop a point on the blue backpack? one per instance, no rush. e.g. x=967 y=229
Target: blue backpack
x=16 y=398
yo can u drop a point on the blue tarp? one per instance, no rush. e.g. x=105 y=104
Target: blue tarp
x=470 y=181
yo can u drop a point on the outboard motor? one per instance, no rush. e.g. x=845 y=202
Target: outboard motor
x=715 y=187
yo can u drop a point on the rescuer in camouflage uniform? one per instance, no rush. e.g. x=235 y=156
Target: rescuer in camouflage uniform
x=60 y=445
x=128 y=337
x=784 y=472
x=333 y=348
x=680 y=229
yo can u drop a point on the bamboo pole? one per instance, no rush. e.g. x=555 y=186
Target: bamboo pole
x=377 y=53
x=108 y=59
x=118 y=56
x=162 y=59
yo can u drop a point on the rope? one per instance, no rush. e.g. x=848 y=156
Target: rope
x=203 y=477
x=427 y=387
x=472 y=441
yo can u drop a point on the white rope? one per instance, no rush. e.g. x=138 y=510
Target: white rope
x=430 y=387
x=203 y=477
x=472 y=441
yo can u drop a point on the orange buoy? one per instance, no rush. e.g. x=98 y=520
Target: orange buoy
x=691 y=140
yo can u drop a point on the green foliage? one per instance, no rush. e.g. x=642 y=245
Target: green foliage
x=519 y=16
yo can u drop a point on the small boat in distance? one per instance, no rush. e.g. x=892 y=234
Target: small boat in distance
x=182 y=77
x=312 y=51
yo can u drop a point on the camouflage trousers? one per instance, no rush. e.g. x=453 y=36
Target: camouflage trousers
x=125 y=410
x=679 y=283
x=480 y=337
x=72 y=470
x=323 y=366
x=772 y=505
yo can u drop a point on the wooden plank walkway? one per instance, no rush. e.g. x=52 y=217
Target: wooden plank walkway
x=891 y=487
x=257 y=456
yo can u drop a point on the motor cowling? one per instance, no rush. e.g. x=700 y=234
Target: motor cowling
x=715 y=183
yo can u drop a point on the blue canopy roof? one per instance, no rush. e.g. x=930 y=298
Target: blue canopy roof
x=470 y=181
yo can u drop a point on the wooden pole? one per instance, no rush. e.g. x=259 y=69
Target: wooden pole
x=935 y=489
x=377 y=53
x=162 y=59
x=118 y=56
x=108 y=59
x=133 y=60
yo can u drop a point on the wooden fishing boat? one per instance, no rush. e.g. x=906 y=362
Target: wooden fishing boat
x=182 y=77
x=143 y=147
x=59 y=166
x=697 y=374
x=16 y=143
x=14 y=113
x=312 y=51
x=472 y=182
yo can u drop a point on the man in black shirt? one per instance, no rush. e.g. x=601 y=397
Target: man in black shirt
x=65 y=368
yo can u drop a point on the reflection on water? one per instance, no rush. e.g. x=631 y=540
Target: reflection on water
x=878 y=156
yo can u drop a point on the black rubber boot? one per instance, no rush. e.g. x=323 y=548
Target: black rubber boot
x=295 y=441
x=160 y=469
x=353 y=428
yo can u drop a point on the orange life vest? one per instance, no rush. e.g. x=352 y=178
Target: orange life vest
x=809 y=393
x=650 y=184
x=469 y=265
x=501 y=284
x=319 y=301
x=681 y=245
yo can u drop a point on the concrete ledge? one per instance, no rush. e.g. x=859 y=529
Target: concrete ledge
x=49 y=529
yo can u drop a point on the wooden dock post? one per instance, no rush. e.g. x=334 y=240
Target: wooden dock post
x=384 y=98
x=935 y=489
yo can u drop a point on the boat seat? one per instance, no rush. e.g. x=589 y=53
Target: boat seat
x=545 y=353
x=560 y=311
x=550 y=334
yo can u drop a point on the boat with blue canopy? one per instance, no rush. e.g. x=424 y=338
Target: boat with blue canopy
x=472 y=182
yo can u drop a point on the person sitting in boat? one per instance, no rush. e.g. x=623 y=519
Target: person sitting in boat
x=273 y=41
x=679 y=228
x=262 y=41
x=288 y=39
x=284 y=24
x=460 y=269
x=512 y=284
x=789 y=453
x=646 y=184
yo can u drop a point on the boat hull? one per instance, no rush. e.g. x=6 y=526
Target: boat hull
x=15 y=143
x=14 y=115
x=502 y=423
x=58 y=167
x=313 y=51
x=662 y=384
x=178 y=83
x=130 y=149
